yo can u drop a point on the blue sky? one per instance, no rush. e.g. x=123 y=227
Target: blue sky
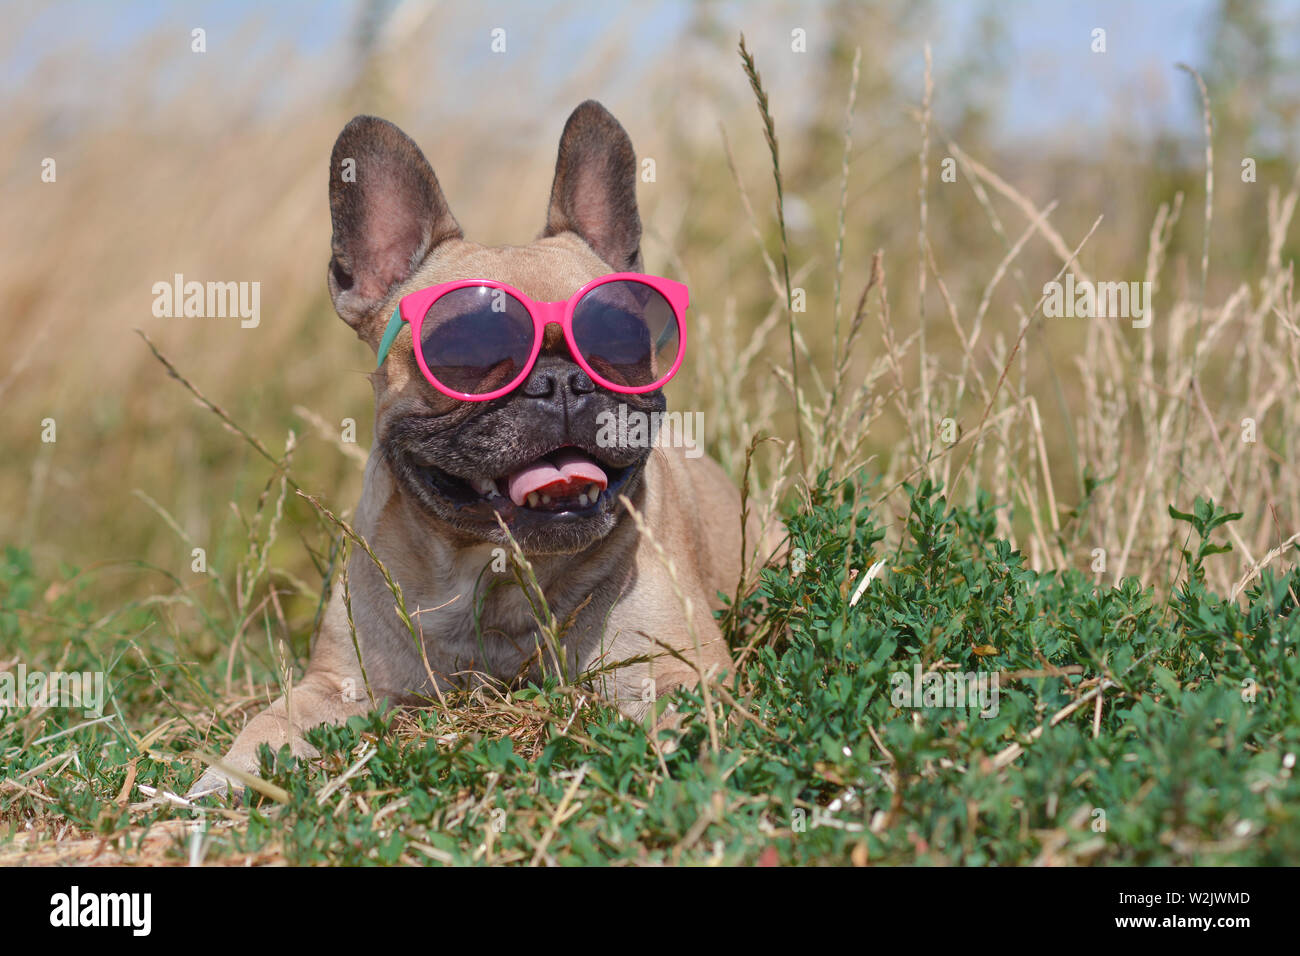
x=1054 y=78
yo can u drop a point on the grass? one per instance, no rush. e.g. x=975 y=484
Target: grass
x=1128 y=729
x=1099 y=533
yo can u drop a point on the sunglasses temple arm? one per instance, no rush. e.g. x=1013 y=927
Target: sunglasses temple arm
x=390 y=333
x=663 y=336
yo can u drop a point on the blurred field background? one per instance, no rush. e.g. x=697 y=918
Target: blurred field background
x=214 y=165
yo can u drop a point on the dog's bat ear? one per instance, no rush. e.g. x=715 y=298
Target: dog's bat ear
x=594 y=193
x=388 y=214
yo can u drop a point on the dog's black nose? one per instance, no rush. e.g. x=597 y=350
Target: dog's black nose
x=557 y=378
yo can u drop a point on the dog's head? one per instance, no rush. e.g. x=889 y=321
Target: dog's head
x=460 y=461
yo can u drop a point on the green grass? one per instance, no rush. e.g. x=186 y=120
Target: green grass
x=814 y=763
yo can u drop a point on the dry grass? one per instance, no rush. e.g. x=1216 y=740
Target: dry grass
x=1158 y=412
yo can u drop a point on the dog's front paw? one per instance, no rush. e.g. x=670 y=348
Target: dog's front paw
x=318 y=700
x=215 y=785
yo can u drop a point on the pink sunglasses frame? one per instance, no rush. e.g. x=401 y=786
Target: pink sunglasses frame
x=413 y=308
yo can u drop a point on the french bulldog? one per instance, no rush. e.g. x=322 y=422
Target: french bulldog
x=444 y=474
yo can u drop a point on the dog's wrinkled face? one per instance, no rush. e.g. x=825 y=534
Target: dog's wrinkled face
x=465 y=463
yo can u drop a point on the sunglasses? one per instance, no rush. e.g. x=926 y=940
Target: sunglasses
x=477 y=339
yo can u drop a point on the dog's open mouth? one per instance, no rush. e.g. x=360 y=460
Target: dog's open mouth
x=567 y=480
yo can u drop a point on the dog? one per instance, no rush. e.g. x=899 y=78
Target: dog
x=634 y=606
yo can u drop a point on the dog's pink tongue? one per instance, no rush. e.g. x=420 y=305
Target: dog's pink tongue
x=560 y=474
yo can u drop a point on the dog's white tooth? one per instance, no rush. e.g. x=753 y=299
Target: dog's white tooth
x=532 y=499
x=582 y=500
x=546 y=499
x=593 y=491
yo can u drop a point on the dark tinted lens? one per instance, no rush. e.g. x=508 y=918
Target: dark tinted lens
x=627 y=332
x=476 y=339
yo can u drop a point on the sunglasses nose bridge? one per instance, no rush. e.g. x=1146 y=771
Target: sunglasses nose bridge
x=550 y=313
